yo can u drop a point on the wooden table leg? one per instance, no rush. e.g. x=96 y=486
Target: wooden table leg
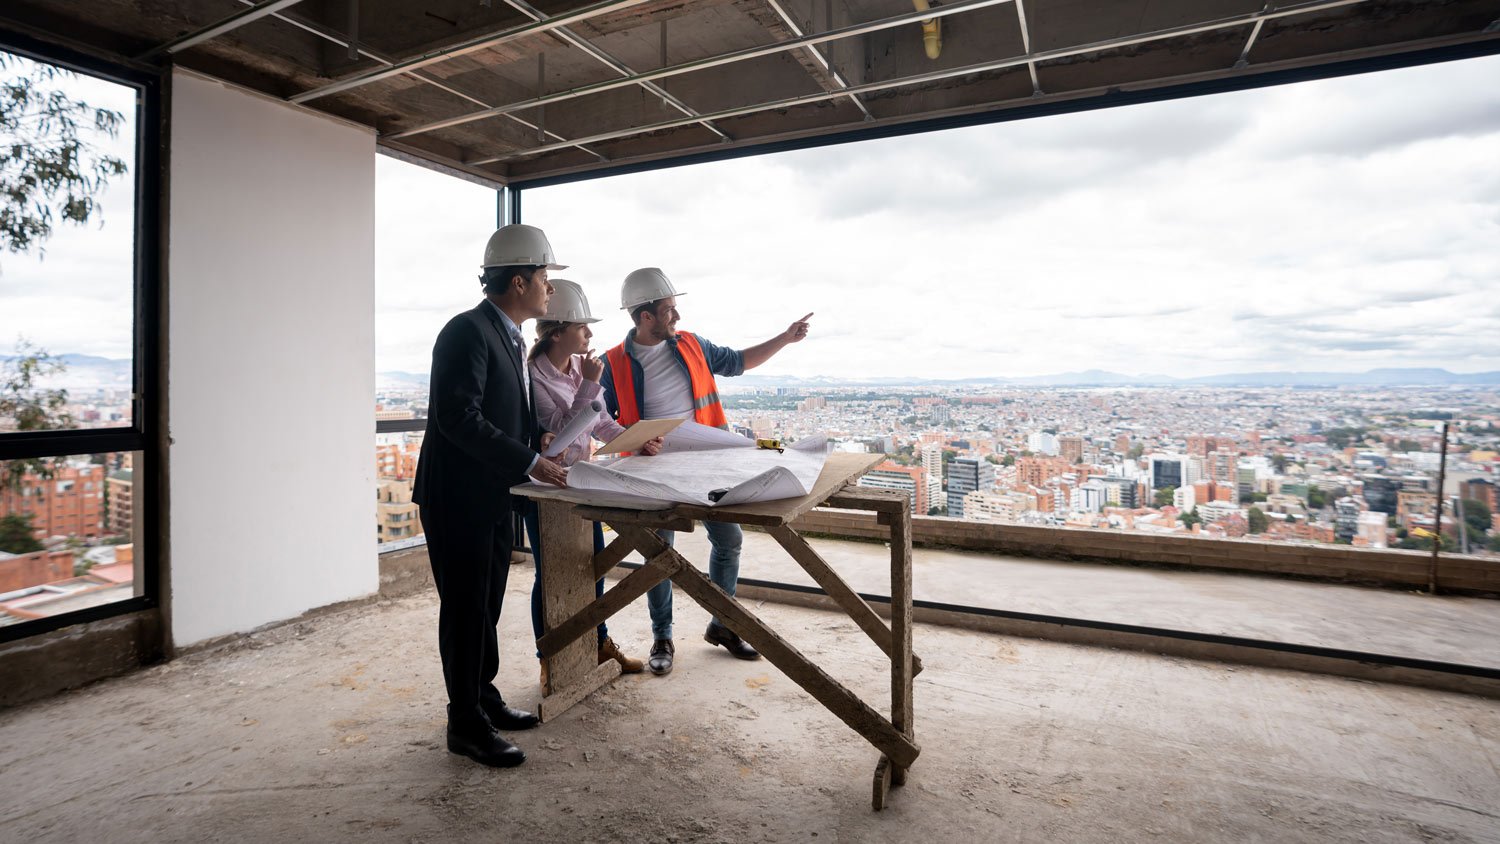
x=566 y=556
x=903 y=716
x=619 y=596
x=842 y=593
x=860 y=716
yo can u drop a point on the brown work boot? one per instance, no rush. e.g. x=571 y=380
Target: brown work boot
x=609 y=650
x=543 y=661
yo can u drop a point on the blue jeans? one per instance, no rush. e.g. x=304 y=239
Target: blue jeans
x=533 y=530
x=723 y=569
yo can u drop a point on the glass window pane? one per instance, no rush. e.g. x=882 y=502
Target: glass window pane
x=67 y=268
x=70 y=534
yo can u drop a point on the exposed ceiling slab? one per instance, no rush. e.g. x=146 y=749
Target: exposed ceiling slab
x=516 y=91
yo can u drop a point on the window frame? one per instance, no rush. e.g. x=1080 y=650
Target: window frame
x=144 y=434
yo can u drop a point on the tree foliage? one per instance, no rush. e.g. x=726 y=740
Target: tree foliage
x=1339 y=438
x=1476 y=515
x=1258 y=520
x=17 y=535
x=1424 y=543
x=1317 y=499
x=49 y=170
x=28 y=408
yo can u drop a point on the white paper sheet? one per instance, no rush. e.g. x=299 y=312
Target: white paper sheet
x=584 y=420
x=701 y=465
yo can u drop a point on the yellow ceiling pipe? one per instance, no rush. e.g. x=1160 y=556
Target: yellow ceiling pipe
x=932 y=31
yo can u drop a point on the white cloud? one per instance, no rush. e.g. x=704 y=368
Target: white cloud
x=1137 y=240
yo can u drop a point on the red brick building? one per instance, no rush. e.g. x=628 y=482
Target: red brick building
x=20 y=571
x=70 y=503
x=397 y=461
x=1034 y=471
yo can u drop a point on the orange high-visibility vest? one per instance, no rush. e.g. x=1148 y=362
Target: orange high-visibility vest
x=706 y=407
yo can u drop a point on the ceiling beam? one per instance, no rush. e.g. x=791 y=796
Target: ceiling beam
x=442 y=54
x=709 y=62
x=812 y=52
x=229 y=24
x=937 y=76
x=612 y=63
x=340 y=40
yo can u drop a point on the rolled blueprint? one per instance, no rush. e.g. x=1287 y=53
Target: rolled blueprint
x=577 y=425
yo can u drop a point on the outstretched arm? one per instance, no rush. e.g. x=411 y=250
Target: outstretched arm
x=759 y=354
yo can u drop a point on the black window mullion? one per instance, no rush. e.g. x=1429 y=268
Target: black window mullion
x=28 y=444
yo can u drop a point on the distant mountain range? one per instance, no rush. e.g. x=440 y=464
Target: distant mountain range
x=1098 y=378
x=87 y=372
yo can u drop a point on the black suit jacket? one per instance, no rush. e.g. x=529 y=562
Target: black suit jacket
x=481 y=430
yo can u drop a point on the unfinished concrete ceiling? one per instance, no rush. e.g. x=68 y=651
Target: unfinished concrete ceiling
x=516 y=91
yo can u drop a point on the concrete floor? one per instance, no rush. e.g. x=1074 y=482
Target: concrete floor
x=330 y=729
x=1373 y=620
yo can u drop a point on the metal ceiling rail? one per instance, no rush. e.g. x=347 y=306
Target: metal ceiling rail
x=711 y=61
x=838 y=78
x=938 y=76
x=1036 y=84
x=471 y=45
x=1244 y=60
x=233 y=22
x=612 y=63
x=335 y=38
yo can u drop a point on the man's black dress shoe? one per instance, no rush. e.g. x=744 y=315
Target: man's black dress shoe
x=660 y=661
x=718 y=634
x=485 y=747
x=506 y=719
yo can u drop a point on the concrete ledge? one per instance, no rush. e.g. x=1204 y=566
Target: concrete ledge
x=405 y=572
x=1376 y=567
x=1165 y=645
x=43 y=665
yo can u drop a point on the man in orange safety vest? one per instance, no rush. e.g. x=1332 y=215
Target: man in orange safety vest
x=661 y=373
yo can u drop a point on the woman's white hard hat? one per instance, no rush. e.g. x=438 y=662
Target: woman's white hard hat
x=568 y=304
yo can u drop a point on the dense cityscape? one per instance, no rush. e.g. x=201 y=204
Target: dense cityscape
x=1298 y=465
x=1350 y=466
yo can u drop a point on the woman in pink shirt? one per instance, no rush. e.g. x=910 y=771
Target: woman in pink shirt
x=564 y=382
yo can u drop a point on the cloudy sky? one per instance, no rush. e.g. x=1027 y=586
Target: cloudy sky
x=75 y=295
x=1341 y=225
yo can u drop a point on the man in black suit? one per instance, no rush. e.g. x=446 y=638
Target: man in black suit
x=482 y=438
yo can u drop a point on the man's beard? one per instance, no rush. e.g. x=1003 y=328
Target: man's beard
x=661 y=332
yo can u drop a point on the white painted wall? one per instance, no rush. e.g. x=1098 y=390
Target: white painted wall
x=271 y=296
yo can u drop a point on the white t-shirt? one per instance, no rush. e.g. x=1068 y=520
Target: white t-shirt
x=669 y=393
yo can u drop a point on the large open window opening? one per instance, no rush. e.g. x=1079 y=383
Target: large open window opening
x=1240 y=319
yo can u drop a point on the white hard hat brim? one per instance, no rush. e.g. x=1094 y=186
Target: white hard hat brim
x=649 y=301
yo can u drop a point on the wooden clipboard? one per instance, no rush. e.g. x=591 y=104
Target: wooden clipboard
x=636 y=435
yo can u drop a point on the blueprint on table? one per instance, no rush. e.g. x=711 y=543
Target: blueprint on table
x=700 y=465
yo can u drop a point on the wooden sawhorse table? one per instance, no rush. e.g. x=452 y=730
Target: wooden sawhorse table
x=570 y=610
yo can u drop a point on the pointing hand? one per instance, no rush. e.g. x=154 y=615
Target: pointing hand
x=797 y=330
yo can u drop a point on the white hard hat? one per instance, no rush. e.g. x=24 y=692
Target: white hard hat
x=520 y=246
x=646 y=284
x=568 y=304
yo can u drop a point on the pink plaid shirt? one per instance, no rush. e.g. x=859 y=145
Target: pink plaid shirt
x=561 y=396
